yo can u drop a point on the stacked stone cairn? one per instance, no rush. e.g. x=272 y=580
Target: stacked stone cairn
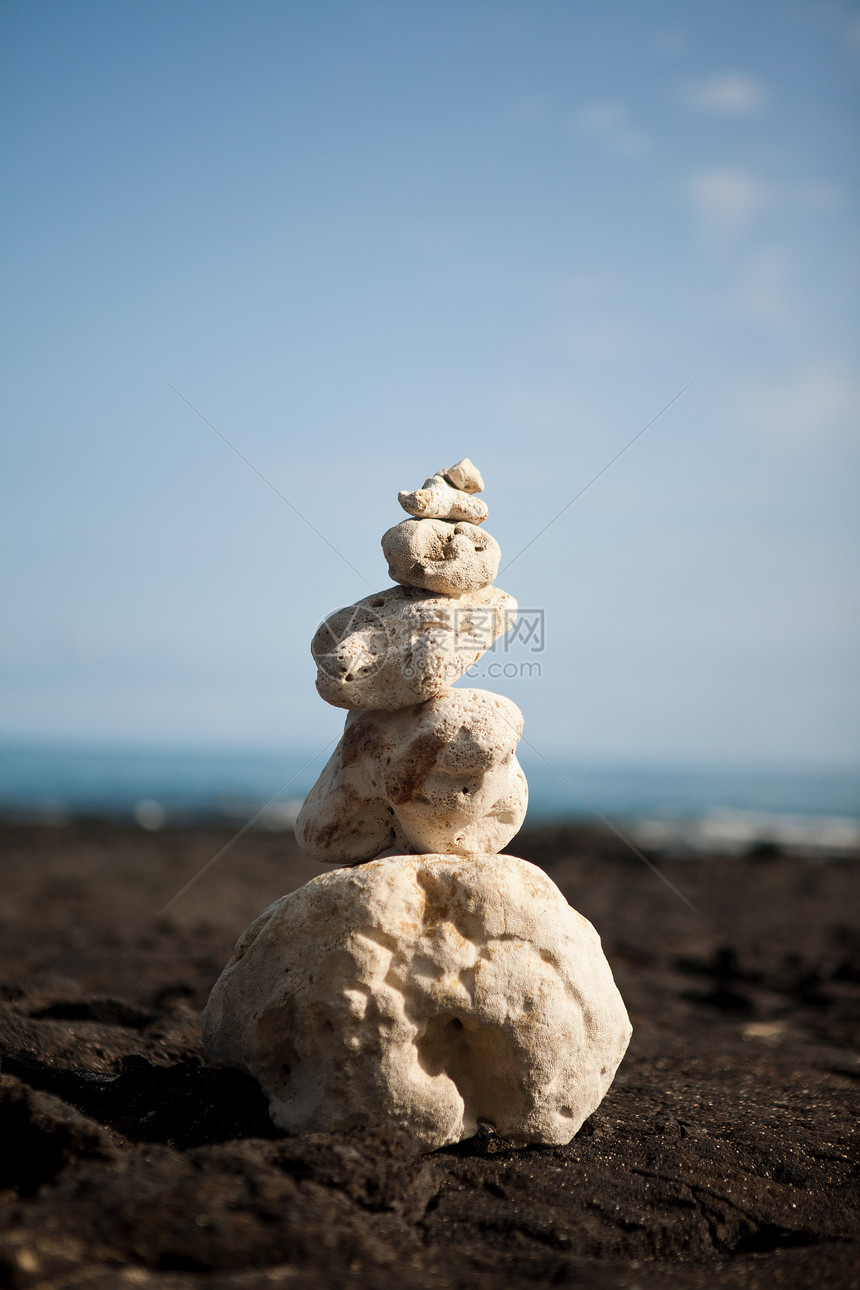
x=448 y=986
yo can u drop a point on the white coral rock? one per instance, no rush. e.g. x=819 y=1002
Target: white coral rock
x=424 y=992
x=441 y=776
x=441 y=555
x=464 y=474
x=403 y=645
x=437 y=500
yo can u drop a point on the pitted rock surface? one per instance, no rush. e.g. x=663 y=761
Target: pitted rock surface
x=437 y=500
x=403 y=645
x=441 y=776
x=422 y=993
x=441 y=555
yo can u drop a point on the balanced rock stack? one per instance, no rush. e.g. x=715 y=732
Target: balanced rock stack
x=447 y=986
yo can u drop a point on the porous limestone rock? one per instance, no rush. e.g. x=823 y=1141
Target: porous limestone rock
x=423 y=993
x=441 y=555
x=437 y=500
x=404 y=644
x=464 y=474
x=440 y=776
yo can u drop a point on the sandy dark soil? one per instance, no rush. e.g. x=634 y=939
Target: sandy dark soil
x=724 y=1154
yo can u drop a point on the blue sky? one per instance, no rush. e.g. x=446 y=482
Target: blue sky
x=365 y=239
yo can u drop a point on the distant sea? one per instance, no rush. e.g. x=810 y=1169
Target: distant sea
x=683 y=807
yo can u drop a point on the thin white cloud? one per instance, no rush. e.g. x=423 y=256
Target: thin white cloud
x=610 y=121
x=671 y=42
x=763 y=293
x=819 y=195
x=819 y=400
x=726 y=94
x=725 y=200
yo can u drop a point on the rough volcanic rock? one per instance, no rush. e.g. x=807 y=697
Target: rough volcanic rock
x=722 y=1158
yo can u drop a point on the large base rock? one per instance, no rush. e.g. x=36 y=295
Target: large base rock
x=427 y=992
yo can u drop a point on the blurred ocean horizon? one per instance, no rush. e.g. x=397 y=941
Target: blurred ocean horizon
x=667 y=806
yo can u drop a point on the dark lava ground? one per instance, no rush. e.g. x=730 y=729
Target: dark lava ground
x=724 y=1155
